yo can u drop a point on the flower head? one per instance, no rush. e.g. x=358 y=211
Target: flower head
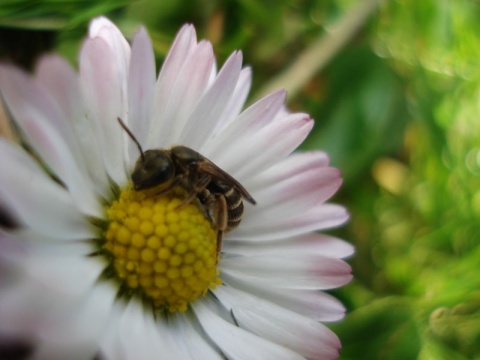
x=184 y=268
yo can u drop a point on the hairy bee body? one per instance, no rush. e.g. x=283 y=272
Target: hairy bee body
x=220 y=194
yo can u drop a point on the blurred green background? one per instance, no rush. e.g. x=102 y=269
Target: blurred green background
x=394 y=88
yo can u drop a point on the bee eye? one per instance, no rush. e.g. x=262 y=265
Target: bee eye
x=156 y=168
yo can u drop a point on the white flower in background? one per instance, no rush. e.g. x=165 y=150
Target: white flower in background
x=95 y=268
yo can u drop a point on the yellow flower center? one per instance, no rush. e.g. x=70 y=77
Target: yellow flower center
x=166 y=250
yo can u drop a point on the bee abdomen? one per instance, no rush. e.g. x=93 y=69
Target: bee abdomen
x=233 y=201
x=233 y=198
x=235 y=216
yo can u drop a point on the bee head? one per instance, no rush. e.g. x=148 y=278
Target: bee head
x=153 y=168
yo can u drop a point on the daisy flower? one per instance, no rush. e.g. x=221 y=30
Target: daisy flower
x=91 y=266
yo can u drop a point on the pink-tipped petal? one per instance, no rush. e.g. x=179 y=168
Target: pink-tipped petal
x=187 y=90
x=270 y=141
x=103 y=89
x=57 y=77
x=237 y=101
x=256 y=116
x=46 y=137
x=300 y=191
x=184 y=44
x=204 y=118
x=141 y=87
x=259 y=225
x=290 y=272
x=103 y=28
x=295 y=164
x=312 y=243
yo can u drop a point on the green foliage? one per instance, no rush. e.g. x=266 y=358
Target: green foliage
x=362 y=114
x=382 y=329
x=53 y=14
x=397 y=109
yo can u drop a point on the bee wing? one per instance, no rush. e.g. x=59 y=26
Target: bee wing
x=208 y=167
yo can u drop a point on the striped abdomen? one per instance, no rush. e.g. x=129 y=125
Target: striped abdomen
x=233 y=200
x=235 y=208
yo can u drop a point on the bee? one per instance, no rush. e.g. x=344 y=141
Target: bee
x=220 y=194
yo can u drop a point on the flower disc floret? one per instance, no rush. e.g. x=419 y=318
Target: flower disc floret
x=163 y=248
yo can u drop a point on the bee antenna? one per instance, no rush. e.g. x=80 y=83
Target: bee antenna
x=124 y=126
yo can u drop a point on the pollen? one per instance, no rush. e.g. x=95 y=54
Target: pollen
x=162 y=248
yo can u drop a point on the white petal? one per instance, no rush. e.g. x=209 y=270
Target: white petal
x=11 y=249
x=289 y=271
x=56 y=75
x=36 y=200
x=187 y=90
x=60 y=80
x=313 y=304
x=235 y=342
x=71 y=275
x=184 y=44
x=312 y=243
x=255 y=117
x=44 y=246
x=120 y=342
x=259 y=225
x=25 y=306
x=56 y=266
x=270 y=321
x=237 y=100
x=103 y=28
x=43 y=296
x=76 y=333
x=190 y=338
x=141 y=89
x=59 y=83
x=298 y=192
x=41 y=122
x=103 y=89
x=204 y=118
x=213 y=73
x=136 y=335
x=173 y=339
x=295 y=164
x=25 y=97
x=274 y=141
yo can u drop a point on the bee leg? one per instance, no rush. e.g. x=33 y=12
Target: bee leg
x=220 y=212
x=156 y=192
x=216 y=208
x=219 y=244
x=197 y=188
x=220 y=219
